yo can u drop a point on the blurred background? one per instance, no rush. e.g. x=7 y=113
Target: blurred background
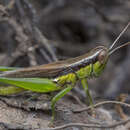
x=35 y=32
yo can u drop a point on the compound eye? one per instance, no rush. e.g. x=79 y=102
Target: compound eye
x=102 y=57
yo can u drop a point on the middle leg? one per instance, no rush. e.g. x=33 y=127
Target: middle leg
x=57 y=97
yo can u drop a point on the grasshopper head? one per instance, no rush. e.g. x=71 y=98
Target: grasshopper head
x=104 y=54
x=101 y=60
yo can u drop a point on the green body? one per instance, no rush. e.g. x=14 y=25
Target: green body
x=78 y=69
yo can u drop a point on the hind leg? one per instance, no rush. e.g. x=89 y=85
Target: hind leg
x=10 y=90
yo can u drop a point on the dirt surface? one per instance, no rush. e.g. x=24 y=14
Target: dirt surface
x=20 y=113
x=39 y=32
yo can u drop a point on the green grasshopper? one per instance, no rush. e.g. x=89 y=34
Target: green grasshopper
x=60 y=75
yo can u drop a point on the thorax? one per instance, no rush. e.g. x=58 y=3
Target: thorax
x=73 y=77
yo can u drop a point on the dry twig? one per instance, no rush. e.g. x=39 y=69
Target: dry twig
x=89 y=125
x=101 y=103
x=121 y=98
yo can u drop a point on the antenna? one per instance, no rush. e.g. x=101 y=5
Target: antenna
x=125 y=44
x=119 y=36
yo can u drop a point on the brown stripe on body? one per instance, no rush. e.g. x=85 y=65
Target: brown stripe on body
x=84 y=62
x=58 y=68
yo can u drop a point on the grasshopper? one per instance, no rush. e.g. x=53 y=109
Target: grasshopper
x=61 y=75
